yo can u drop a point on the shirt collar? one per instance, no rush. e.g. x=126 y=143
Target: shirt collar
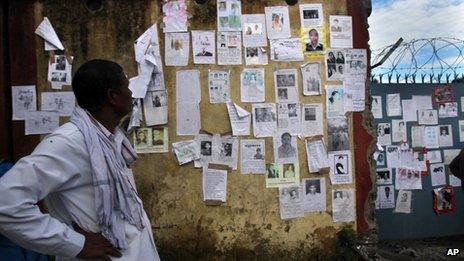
x=105 y=131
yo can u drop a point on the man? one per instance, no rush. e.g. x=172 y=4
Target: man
x=387 y=192
x=313 y=44
x=258 y=155
x=335 y=27
x=83 y=171
x=204 y=52
x=206 y=148
x=286 y=150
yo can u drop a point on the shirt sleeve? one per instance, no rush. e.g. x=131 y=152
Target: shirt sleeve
x=48 y=169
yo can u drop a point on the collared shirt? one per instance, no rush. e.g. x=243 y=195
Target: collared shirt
x=59 y=170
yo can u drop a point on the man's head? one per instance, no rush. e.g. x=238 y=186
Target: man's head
x=313 y=36
x=258 y=151
x=99 y=84
x=286 y=138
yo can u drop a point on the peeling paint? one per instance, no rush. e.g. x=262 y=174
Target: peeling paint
x=248 y=226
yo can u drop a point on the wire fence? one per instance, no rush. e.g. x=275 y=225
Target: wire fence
x=434 y=60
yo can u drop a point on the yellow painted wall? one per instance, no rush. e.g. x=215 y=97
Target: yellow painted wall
x=249 y=224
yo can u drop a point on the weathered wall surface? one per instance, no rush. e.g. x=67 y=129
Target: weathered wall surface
x=249 y=224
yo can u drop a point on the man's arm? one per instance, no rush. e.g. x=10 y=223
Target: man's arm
x=45 y=171
x=53 y=166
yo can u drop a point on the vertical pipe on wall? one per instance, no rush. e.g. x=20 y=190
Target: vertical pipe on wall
x=5 y=94
x=23 y=66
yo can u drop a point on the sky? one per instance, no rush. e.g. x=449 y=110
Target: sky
x=416 y=19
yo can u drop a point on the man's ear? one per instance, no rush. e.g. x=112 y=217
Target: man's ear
x=112 y=96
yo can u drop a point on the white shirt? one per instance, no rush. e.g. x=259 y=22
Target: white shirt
x=59 y=170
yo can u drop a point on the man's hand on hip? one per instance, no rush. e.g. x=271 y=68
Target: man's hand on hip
x=96 y=246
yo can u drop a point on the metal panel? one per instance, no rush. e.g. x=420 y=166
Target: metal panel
x=422 y=222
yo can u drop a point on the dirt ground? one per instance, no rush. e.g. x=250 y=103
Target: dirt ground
x=419 y=249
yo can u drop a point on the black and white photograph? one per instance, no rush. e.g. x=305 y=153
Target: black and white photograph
x=292 y=110
x=379 y=157
x=386 y=196
x=290 y=202
x=446 y=136
x=252 y=156
x=448 y=109
x=384 y=176
x=59 y=71
x=177 y=49
x=225 y=151
x=312 y=120
x=204 y=47
x=285 y=148
x=311 y=14
x=264 y=115
x=403 y=202
x=255 y=56
x=311 y=79
x=384 y=136
x=264 y=119
x=289 y=118
x=285 y=80
x=60 y=62
x=58 y=77
x=438 y=174
x=335 y=65
x=399 y=133
x=282 y=93
x=340 y=167
x=428 y=117
x=206 y=144
x=338 y=134
x=310 y=114
x=314 y=199
x=286 y=84
x=142 y=138
x=341 y=164
x=341 y=31
x=155 y=108
x=343 y=205
x=151 y=140
x=408 y=179
x=206 y=148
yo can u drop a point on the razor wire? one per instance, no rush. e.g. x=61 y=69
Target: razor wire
x=432 y=60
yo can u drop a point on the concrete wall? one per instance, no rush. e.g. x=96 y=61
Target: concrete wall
x=249 y=224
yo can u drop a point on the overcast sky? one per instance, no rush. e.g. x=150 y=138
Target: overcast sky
x=415 y=19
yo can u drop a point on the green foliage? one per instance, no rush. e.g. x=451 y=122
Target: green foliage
x=345 y=244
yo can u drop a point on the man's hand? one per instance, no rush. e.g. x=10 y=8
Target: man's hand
x=96 y=246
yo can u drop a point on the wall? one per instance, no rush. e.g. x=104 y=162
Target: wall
x=418 y=223
x=249 y=224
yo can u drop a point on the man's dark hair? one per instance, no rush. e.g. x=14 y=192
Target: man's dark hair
x=92 y=81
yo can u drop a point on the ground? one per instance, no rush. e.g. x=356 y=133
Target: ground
x=419 y=249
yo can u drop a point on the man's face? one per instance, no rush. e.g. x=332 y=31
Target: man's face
x=313 y=37
x=286 y=140
x=312 y=189
x=123 y=99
